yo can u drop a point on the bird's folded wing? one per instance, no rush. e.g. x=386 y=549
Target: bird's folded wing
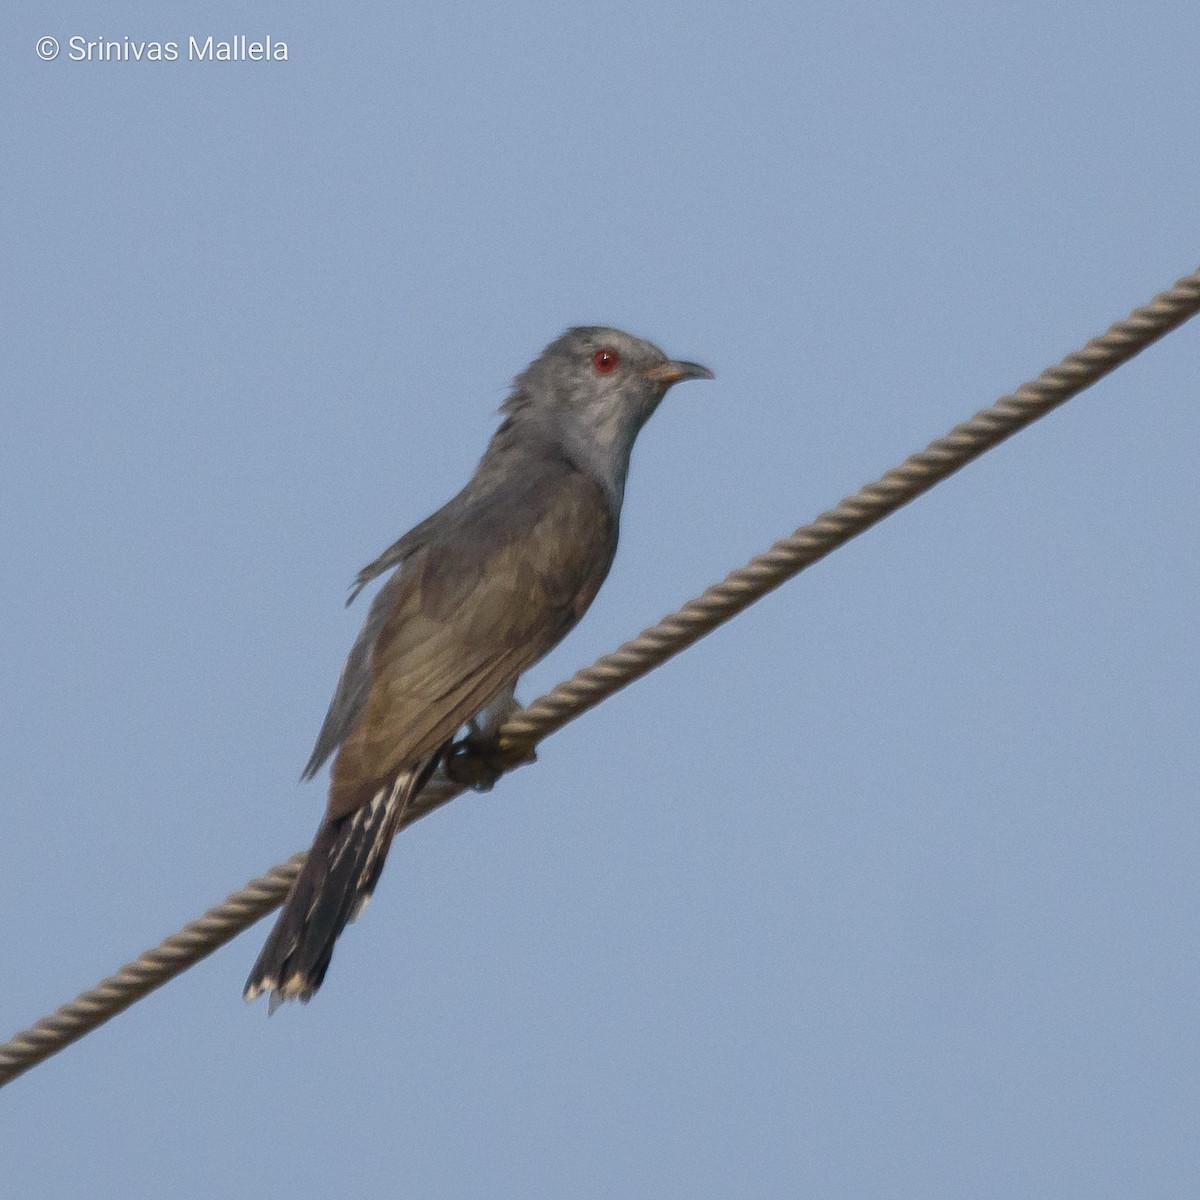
x=463 y=618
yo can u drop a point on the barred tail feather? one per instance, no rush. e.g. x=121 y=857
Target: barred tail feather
x=333 y=887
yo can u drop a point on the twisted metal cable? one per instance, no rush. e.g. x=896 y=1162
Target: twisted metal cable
x=150 y=970
x=584 y=690
x=857 y=513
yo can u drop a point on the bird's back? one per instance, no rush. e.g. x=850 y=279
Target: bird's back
x=505 y=571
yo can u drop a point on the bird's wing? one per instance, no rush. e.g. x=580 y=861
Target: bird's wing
x=396 y=553
x=464 y=616
x=354 y=683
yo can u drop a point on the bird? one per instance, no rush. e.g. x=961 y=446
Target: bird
x=479 y=592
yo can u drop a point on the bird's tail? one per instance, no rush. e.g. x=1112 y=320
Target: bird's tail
x=333 y=887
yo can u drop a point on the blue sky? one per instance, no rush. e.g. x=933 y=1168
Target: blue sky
x=888 y=887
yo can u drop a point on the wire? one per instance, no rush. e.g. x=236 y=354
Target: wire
x=584 y=690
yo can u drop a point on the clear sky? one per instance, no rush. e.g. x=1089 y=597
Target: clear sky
x=889 y=887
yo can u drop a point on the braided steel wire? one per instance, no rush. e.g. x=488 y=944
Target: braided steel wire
x=857 y=513
x=148 y=971
x=568 y=700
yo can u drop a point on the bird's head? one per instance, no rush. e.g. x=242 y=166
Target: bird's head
x=600 y=386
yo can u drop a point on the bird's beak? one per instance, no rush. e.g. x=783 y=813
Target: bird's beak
x=672 y=372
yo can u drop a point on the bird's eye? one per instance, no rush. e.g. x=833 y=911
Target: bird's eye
x=605 y=361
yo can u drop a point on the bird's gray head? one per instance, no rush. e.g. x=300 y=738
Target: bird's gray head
x=593 y=389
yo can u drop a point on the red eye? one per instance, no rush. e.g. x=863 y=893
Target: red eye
x=605 y=360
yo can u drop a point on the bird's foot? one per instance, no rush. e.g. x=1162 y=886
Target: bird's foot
x=477 y=761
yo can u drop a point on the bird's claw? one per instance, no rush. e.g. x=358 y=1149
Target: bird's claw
x=477 y=763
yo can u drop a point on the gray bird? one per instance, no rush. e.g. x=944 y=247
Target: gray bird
x=482 y=590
